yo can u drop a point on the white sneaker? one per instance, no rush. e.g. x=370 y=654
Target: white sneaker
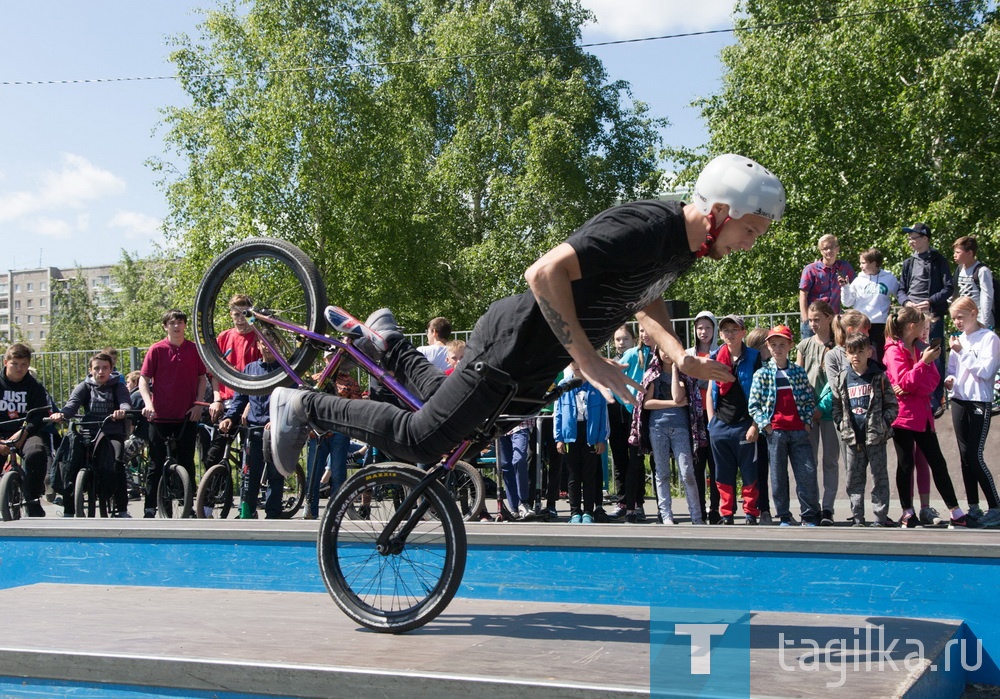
x=669 y=519
x=524 y=513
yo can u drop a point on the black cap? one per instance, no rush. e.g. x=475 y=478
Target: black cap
x=919 y=228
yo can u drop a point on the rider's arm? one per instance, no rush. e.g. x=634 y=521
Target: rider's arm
x=147 y=395
x=550 y=280
x=655 y=320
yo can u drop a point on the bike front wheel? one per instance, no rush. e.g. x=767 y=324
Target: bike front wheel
x=173 y=496
x=215 y=493
x=84 y=493
x=409 y=582
x=283 y=283
x=11 y=496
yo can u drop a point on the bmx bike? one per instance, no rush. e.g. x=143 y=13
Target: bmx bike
x=93 y=488
x=392 y=543
x=12 y=499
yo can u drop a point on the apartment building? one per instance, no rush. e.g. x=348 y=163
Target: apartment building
x=26 y=299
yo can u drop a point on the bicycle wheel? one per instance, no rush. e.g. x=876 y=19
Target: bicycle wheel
x=173 y=497
x=11 y=496
x=84 y=493
x=295 y=493
x=215 y=493
x=283 y=283
x=466 y=486
x=407 y=586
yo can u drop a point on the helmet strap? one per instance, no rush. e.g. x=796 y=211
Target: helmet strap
x=712 y=233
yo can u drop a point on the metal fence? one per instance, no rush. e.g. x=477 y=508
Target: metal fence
x=60 y=371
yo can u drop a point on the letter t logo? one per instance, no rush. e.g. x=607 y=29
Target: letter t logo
x=701 y=644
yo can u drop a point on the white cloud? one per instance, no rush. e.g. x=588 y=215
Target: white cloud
x=135 y=225
x=631 y=19
x=74 y=185
x=54 y=228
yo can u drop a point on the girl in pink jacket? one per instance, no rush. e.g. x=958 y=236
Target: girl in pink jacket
x=914 y=377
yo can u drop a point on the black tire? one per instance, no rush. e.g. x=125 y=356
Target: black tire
x=295 y=493
x=284 y=283
x=11 y=496
x=84 y=493
x=466 y=486
x=400 y=591
x=215 y=493
x=174 y=499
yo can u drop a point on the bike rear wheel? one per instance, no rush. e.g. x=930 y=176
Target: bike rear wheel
x=404 y=588
x=173 y=496
x=11 y=496
x=283 y=283
x=84 y=493
x=466 y=486
x=215 y=493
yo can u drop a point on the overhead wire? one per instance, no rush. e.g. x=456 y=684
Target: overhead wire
x=494 y=54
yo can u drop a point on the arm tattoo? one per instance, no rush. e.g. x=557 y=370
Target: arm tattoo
x=560 y=328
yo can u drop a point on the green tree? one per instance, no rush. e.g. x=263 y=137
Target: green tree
x=423 y=152
x=145 y=288
x=76 y=320
x=882 y=116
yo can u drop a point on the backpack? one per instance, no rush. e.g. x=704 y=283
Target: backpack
x=69 y=457
x=994 y=317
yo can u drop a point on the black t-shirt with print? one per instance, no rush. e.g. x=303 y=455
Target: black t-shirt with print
x=16 y=399
x=629 y=255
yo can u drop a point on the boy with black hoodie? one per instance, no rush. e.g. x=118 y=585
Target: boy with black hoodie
x=19 y=393
x=864 y=408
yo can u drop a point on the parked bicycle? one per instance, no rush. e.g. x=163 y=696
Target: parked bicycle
x=215 y=496
x=398 y=568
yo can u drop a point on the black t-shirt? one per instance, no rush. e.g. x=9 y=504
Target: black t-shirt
x=629 y=255
x=16 y=399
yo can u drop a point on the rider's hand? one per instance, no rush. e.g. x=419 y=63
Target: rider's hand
x=194 y=414
x=607 y=377
x=705 y=368
x=116 y=415
x=148 y=412
x=56 y=417
x=225 y=426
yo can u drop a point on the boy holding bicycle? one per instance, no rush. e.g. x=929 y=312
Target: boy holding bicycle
x=172 y=378
x=19 y=393
x=101 y=394
x=257 y=460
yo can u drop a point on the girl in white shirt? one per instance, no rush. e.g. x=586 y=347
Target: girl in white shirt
x=869 y=293
x=972 y=370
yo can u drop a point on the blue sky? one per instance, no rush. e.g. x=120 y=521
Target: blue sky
x=74 y=187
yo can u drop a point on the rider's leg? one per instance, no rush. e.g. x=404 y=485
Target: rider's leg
x=275 y=492
x=35 y=461
x=255 y=463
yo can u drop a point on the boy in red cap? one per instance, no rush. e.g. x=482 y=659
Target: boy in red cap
x=781 y=405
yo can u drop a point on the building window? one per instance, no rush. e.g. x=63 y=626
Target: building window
x=17 y=304
x=29 y=303
x=31 y=320
x=42 y=302
x=43 y=319
x=31 y=335
x=41 y=286
x=31 y=286
x=17 y=288
x=41 y=335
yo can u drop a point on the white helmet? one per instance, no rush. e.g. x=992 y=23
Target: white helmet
x=747 y=187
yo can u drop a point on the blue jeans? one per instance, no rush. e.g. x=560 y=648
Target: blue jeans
x=513 y=458
x=326 y=452
x=784 y=445
x=804 y=330
x=667 y=440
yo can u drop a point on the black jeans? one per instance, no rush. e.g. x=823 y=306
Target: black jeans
x=159 y=432
x=454 y=407
x=583 y=465
x=971 y=421
x=34 y=461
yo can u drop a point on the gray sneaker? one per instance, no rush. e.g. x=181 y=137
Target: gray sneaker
x=975 y=511
x=929 y=517
x=289 y=428
x=991 y=518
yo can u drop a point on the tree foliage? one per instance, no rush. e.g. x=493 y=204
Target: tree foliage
x=423 y=152
x=887 y=115
x=76 y=318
